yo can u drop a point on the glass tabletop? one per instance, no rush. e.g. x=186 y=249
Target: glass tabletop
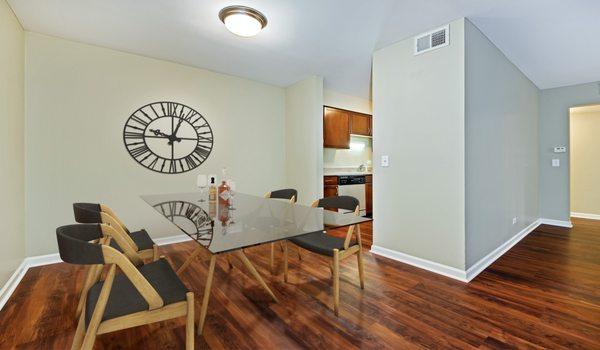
x=243 y=220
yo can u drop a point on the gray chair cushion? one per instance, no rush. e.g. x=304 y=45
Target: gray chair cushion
x=124 y=299
x=320 y=242
x=140 y=238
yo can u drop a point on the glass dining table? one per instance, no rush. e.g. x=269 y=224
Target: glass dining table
x=238 y=222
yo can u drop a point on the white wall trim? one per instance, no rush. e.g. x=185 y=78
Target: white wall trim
x=40 y=260
x=432 y=266
x=585 y=216
x=487 y=260
x=12 y=283
x=553 y=222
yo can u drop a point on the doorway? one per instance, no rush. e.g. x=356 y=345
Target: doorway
x=584 y=165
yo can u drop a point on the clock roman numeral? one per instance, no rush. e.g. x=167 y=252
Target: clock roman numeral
x=139 y=120
x=133 y=135
x=139 y=151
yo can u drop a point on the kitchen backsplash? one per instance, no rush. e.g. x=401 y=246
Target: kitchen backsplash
x=360 y=152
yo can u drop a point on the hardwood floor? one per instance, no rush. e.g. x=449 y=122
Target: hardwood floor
x=543 y=293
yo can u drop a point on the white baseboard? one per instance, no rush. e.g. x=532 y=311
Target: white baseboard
x=452 y=272
x=33 y=261
x=12 y=283
x=553 y=222
x=432 y=266
x=487 y=260
x=585 y=216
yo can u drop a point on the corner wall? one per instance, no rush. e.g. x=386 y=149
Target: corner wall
x=419 y=200
x=554 y=131
x=304 y=138
x=12 y=119
x=501 y=131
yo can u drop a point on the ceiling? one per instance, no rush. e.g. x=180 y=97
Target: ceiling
x=554 y=42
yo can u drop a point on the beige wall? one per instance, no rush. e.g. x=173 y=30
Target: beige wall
x=12 y=48
x=585 y=160
x=419 y=200
x=304 y=138
x=78 y=98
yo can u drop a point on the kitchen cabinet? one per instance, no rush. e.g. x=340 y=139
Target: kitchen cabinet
x=369 y=195
x=331 y=186
x=336 y=128
x=338 y=124
x=361 y=124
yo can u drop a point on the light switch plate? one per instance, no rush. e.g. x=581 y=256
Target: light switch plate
x=555 y=162
x=385 y=161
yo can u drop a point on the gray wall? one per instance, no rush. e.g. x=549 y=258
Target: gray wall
x=554 y=131
x=12 y=119
x=78 y=98
x=501 y=135
x=418 y=101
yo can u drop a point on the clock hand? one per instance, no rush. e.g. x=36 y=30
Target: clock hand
x=177 y=128
x=157 y=132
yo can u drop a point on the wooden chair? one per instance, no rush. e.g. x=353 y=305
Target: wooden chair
x=140 y=241
x=338 y=248
x=291 y=195
x=152 y=293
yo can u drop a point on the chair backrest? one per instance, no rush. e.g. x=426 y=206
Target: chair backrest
x=75 y=247
x=287 y=193
x=74 y=244
x=87 y=213
x=339 y=202
x=342 y=202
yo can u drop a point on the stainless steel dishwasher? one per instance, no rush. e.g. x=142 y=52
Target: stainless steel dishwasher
x=354 y=185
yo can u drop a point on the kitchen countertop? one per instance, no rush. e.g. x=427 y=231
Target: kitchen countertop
x=345 y=173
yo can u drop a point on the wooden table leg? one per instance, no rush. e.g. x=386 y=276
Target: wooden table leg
x=206 y=296
x=285 y=261
x=189 y=260
x=240 y=254
x=272 y=258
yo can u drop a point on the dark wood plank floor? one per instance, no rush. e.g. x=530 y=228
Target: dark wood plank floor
x=544 y=293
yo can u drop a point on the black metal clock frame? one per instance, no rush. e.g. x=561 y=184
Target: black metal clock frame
x=136 y=128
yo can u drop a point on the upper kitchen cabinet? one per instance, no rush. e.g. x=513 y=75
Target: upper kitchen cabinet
x=336 y=128
x=338 y=124
x=360 y=124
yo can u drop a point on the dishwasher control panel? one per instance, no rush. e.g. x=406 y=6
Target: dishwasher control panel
x=351 y=180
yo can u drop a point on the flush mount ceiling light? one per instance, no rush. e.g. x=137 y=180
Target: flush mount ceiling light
x=243 y=21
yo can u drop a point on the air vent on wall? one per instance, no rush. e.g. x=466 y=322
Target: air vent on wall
x=432 y=40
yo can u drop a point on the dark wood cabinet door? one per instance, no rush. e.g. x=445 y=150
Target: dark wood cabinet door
x=330 y=191
x=360 y=124
x=336 y=128
x=369 y=198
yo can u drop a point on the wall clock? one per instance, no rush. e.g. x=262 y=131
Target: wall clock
x=168 y=137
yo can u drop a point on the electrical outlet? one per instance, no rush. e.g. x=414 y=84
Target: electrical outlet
x=385 y=160
x=514 y=220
